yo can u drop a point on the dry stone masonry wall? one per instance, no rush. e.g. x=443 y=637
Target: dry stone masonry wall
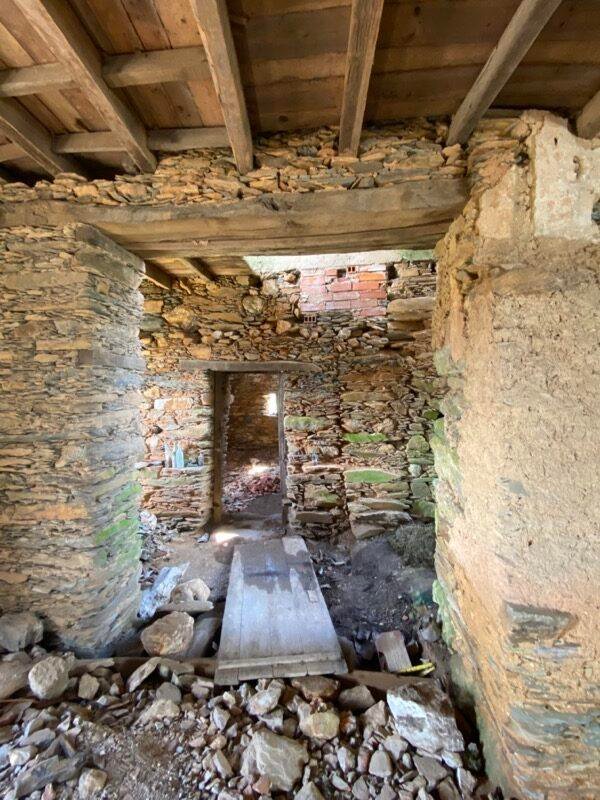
x=70 y=372
x=301 y=162
x=517 y=334
x=356 y=431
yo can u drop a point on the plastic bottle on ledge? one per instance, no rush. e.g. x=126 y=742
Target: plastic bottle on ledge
x=179 y=459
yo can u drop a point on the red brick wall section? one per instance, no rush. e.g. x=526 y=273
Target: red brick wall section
x=361 y=289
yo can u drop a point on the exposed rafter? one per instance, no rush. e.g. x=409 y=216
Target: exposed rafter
x=362 y=40
x=588 y=121
x=56 y=23
x=34 y=140
x=215 y=29
x=521 y=32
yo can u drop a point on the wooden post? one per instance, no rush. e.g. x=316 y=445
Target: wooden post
x=220 y=388
x=282 y=447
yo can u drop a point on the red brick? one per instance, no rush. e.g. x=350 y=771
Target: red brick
x=331 y=271
x=341 y=286
x=372 y=268
x=311 y=306
x=376 y=295
x=336 y=305
x=372 y=276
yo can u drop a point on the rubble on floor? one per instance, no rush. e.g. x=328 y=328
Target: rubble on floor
x=164 y=730
x=241 y=486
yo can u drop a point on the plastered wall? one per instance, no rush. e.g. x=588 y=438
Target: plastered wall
x=517 y=331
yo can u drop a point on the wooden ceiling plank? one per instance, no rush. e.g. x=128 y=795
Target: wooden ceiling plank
x=362 y=41
x=521 y=32
x=24 y=130
x=59 y=27
x=215 y=29
x=588 y=121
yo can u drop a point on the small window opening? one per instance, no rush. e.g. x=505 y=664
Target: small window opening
x=352 y=270
x=271 y=405
x=309 y=318
x=341 y=273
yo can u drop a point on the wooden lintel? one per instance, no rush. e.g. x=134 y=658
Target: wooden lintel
x=362 y=40
x=521 y=32
x=158 y=276
x=192 y=365
x=412 y=214
x=588 y=121
x=212 y=17
x=23 y=129
x=57 y=25
x=169 y=140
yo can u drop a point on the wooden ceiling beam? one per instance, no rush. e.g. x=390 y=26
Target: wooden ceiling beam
x=58 y=26
x=132 y=69
x=23 y=129
x=215 y=29
x=362 y=41
x=588 y=121
x=521 y=32
x=168 y=140
x=192 y=265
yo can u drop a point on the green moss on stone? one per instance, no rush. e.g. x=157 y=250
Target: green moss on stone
x=305 y=423
x=114 y=529
x=369 y=476
x=362 y=438
x=423 y=508
x=431 y=413
x=417 y=444
x=439 y=597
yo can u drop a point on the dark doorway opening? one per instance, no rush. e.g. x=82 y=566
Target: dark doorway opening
x=249 y=457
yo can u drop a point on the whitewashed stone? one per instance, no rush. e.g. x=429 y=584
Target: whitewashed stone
x=424 y=716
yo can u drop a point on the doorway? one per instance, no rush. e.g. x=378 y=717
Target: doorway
x=249 y=450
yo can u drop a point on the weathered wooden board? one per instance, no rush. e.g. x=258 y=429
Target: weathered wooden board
x=411 y=214
x=276 y=623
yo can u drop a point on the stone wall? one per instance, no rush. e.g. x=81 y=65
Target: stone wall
x=70 y=372
x=304 y=161
x=356 y=432
x=517 y=328
x=250 y=429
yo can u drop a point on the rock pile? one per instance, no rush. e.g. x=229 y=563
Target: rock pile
x=307 y=738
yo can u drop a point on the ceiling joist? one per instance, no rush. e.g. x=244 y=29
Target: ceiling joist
x=132 y=69
x=56 y=23
x=588 y=121
x=158 y=276
x=213 y=22
x=521 y=32
x=32 y=138
x=166 y=140
x=362 y=40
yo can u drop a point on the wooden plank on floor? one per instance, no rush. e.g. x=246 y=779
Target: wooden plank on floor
x=276 y=622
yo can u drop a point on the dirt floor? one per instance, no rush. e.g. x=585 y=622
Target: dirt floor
x=368 y=585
